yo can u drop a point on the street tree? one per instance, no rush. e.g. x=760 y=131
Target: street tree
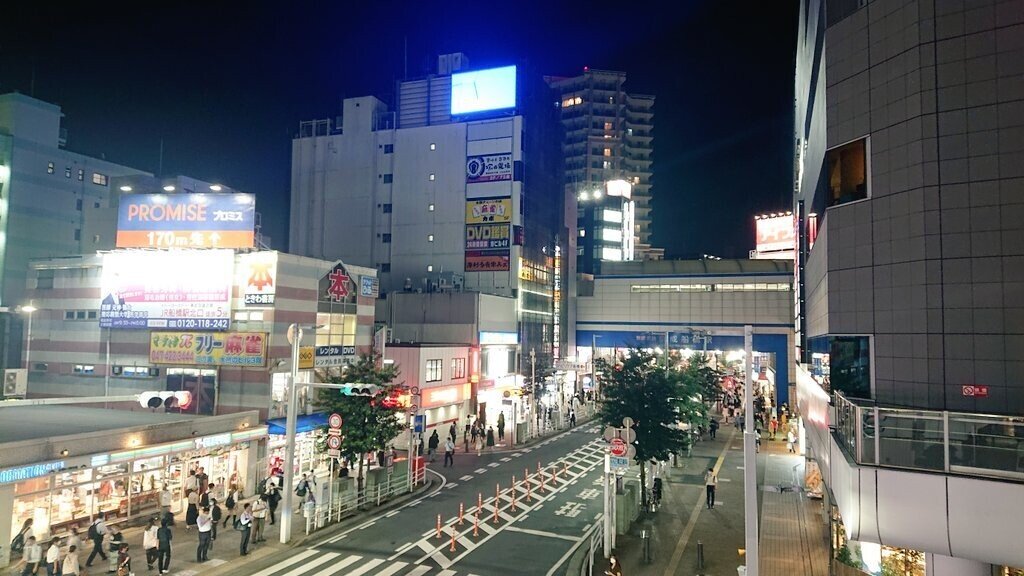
x=707 y=379
x=652 y=395
x=369 y=423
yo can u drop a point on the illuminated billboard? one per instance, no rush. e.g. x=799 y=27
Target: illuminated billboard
x=488 y=210
x=208 y=348
x=489 y=168
x=186 y=289
x=257 y=278
x=186 y=221
x=482 y=90
x=775 y=233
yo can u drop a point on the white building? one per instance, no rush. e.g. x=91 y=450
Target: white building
x=908 y=188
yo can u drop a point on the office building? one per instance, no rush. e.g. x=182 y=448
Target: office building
x=45 y=190
x=608 y=136
x=909 y=156
x=456 y=187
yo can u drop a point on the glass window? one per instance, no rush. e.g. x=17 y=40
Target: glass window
x=81 y=176
x=388 y=178
x=67 y=171
x=434 y=369
x=847 y=173
x=50 y=168
x=389 y=148
x=612 y=216
x=99 y=179
x=387 y=238
x=386 y=208
x=458 y=368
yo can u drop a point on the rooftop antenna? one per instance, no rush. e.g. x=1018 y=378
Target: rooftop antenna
x=160 y=164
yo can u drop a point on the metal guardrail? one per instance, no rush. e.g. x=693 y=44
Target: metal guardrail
x=939 y=441
x=322 y=515
x=587 y=552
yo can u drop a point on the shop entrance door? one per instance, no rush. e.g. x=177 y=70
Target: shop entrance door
x=481 y=413
x=201 y=383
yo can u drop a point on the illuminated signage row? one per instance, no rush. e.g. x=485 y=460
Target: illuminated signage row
x=446 y=395
x=208 y=348
x=483 y=90
x=776 y=233
x=186 y=221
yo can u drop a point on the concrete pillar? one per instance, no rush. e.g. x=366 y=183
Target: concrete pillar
x=937 y=565
x=6 y=513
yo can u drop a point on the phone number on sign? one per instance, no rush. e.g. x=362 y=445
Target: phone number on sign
x=200 y=323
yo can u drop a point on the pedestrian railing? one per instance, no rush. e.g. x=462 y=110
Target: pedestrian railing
x=324 y=514
x=941 y=441
x=587 y=554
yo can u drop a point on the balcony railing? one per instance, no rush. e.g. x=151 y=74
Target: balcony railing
x=940 y=441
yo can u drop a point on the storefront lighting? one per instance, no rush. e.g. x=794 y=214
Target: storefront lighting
x=64 y=452
x=168 y=188
x=215 y=187
x=584 y=196
x=134 y=442
x=389 y=361
x=125 y=188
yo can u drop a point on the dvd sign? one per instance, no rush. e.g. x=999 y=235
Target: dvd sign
x=487 y=236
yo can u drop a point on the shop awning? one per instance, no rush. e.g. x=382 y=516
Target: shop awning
x=304 y=423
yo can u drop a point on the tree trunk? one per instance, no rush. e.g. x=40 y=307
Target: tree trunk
x=643 y=485
x=359 y=477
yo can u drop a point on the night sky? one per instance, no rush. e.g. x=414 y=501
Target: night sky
x=225 y=86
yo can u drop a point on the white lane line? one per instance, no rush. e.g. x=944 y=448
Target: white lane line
x=392 y=513
x=415 y=502
x=494 y=464
x=506 y=459
x=480 y=470
x=419 y=571
x=365 y=567
x=516 y=455
x=333 y=569
x=541 y=533
x=367 y=525
x=286 y=563
x=393 y=568
x=446 y=573
x=451 y=485
x=313 y=563
x=466 y=478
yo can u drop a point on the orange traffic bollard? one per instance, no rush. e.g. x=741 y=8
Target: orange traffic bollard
x=529 y=492
x=565 y=470
x=497 y=502
x=476 y=523
x=479 y=500
x=438 y=525
x=460 y=513
x=452 y=548
x=542 y=487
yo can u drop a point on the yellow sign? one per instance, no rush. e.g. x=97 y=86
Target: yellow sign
x=306 y=355
x=208 y=348
x=489 y=211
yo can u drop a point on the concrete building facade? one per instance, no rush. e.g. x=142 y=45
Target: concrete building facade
x=909 y=173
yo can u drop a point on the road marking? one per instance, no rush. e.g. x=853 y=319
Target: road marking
x=393 y=568
x=480 y=470
x=333 y=569
x=684 y=538
x=446 y=573
x=365 y=567
x=286 y=563
x=451 y=485
x=392 y=513
x=419 y=571
x=415 y=502
x=541 y=533
x=466 y=478
x=366 y=525
x=494 y=464
x=516 y=455
x=506 y=459
x=725 y=479
x=313 y=563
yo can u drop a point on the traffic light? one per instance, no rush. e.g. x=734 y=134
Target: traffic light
x=180 y=399
x=360 y=389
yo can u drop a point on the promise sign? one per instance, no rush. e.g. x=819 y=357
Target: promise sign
x=186 y=221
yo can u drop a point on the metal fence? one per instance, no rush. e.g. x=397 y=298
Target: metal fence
x=941 y=441
x=324 y=514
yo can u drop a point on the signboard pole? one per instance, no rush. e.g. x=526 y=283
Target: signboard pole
x=749 y=457
x=295 y=334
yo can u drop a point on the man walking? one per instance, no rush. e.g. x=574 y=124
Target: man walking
x=205 y=523
x=32 y=556
x=432 y=443
x=259 y=519
x=53 y=558
x=97 y=530
x=449 y=453
x=713 y=427
x=452 y=432
x=501 y=426
x=273 y=498
x=710 y=483
x=245 y=525
x=165 y=504
x=163 y=539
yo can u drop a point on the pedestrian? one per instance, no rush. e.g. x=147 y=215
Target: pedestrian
x=449 y=453
x=204 y=497
x=773 y=427
x=53 y=557
x=97 y=530
x=231 y=506
x=475 y=431
x=432 y=445
x=259 y=516
x=572 y=418
x=245 y=525
x=163 y=539
x=273 y=499
x=791 y=442
x=70 y=566
x=150 y=543
x=114 y=539
x=465 y=439
x=203 y=481
x=216 y=515
x=741 y=423
x=31 y=556
x=192 y=512
x=501 y=426
x=205 y=524
x=303 y=488
x=165 y=503
x=757 y=441
x=452 y=432
x=479 y=443
x=710 y=484
x=191 y=482
x=124 y=561
x=490 y=438
x=614 y=568
x=713 y=427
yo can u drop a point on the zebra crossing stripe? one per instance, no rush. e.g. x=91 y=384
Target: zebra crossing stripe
x=370 y=565
x=333 y=569
x=393 y=568
x=286 y=563
x=313 y=564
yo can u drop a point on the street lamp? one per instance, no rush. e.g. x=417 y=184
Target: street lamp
x=533 y=386
x=28 y=309
x=295 y=339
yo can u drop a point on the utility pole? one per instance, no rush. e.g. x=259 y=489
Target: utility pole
x=295 y=339
x=750 y=457
x=533 y=385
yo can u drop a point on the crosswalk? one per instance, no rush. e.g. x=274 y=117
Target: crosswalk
x=314 y=562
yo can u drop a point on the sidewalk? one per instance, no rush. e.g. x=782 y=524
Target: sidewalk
x=793 y=529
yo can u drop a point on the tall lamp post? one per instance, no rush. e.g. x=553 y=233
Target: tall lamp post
x=295 y=339
x=533 y=396
x=28 y=309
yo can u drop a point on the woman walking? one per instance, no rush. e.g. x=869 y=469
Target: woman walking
x=490 y=438
x=70 y=567
x=193 y=509
x=231 y=506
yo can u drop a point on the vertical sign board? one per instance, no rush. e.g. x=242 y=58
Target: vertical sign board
x=257 y=278
x=186 y=221
x=488 y=234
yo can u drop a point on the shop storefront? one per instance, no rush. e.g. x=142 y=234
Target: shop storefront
x=446 y=405
x=501 y=396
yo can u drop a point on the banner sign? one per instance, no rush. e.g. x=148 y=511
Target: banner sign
x=487 y=236
x=187 y=289
x=487 y=260
x=775 y=233
x=328 y=356
x=338 y=286
x=186 y=221
x=488 y=168
x=369 y=286
x=208 y=348
x=257 y=278
x=488 y=211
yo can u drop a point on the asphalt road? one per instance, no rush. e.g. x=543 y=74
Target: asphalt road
x=535 y=538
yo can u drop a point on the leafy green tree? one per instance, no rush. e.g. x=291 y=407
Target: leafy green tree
x=707 y=379
x=368 y=425
x=652 y=395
